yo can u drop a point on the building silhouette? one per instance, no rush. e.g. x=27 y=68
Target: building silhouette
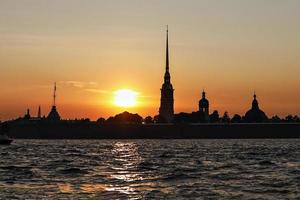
x=204 y=106
x=39 y=115
x=255 y=114
x=54 y=115
x=27 y=115
x=166 y=109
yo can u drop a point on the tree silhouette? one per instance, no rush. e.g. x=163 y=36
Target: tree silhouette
x=214 y=117
x=125 y=118
x=291 y=118
x=225 y=118
x=236 y=119
x=275 y=119
x=148 y=120
x=101 y=120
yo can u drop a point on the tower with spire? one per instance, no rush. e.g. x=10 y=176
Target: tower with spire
x=204 y=106
x=39 y=115
x=255 y=103
x=166 y=109
x=53 y=115
x=27 y=115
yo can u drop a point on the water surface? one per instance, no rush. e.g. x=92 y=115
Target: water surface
x=160 y=169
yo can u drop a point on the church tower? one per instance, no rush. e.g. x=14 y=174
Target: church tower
x=53 y=115
x=166 y=109
x=204 y=106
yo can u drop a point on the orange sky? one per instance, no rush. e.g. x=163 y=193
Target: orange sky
x=92 y=48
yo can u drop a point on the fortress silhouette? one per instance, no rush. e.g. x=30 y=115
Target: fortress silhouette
x=166 y=110
x=167 y=124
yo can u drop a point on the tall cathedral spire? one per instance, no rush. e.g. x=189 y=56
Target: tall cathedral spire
x=166 y=109
x=167 y=50
x=167 y=77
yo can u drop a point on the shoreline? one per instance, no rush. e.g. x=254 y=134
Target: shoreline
x=64 y=130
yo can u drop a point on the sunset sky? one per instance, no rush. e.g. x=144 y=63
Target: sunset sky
x=92 y=48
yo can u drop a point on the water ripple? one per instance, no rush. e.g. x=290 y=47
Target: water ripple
x=150 y=169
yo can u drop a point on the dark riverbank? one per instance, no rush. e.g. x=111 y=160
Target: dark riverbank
x=153 y=131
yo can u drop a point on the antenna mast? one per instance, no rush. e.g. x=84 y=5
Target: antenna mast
x=54 y=95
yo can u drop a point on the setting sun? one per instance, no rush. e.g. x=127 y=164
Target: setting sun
x=125 y=98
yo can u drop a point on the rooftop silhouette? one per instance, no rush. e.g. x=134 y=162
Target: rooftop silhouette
x=166 y=109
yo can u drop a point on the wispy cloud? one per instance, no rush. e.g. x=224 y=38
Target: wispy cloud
x=93 y=90
x=79 y=84
x=90 y=86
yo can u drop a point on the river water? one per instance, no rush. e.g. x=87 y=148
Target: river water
x=150 y=169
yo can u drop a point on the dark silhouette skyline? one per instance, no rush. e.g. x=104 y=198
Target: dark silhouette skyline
x=229 y=54
x=166 y=109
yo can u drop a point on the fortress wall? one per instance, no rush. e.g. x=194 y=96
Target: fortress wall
x=130 y=131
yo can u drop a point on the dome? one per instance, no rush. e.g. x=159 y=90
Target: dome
x=255 y=114
x=204 y=102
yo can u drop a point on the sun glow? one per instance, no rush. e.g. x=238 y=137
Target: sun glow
x=125 y=98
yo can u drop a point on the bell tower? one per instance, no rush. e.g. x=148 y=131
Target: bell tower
x=166 y=109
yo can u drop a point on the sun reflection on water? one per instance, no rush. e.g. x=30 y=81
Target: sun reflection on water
x=125 y=161
x=121 y=171
x=92 y=188
x=65 y=187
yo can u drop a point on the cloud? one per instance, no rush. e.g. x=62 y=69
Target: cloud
x=94 y=90
x=90 y=86
x=79 y=84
